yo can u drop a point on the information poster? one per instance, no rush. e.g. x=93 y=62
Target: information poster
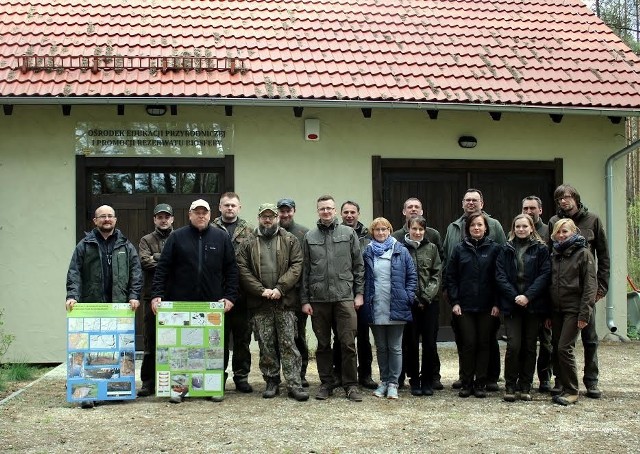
x=190 y=349
x=101 y=352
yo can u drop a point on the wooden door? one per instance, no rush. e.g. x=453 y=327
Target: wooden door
x=441 y=184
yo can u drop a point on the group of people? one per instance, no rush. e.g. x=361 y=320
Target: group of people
x=353 y=280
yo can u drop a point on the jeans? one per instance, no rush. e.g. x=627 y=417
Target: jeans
x=388 y=340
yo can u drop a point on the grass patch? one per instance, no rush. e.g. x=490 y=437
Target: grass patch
x=18 y=372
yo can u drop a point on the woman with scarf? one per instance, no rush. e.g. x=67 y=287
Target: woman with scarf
x=470 y=284
x=425 y=313
x=390 y=281
x=573 y=295
x=523 y=273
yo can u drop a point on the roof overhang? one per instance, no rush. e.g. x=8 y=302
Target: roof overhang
x=319 y=103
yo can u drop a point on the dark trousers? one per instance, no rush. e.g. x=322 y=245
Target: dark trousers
x=343 y=315
x=424 y=325
x=363 y=348
x=238 y=329
x=493 y=365
x=475 y=332
x=544 y=354
x=148 y=368
x=520 y=358
x=301 y=341
x=590 y=344
x=564 y=335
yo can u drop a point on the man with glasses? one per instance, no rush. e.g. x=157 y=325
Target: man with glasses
x=332 y=291
x=197 y=264
x=104 y=268
x=473 y=203
x=150 y=248
x=270 y=264
x=591 y=227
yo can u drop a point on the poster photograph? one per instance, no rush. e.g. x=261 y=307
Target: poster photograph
x=190 y=349
x=100 y=352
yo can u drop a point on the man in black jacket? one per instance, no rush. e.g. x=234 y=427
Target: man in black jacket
x=197 y=264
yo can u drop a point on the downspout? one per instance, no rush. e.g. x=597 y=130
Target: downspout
x=609 y=197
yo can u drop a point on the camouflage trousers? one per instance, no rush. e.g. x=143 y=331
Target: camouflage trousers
x=275 y=331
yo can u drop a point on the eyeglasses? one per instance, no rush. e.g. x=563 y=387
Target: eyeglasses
x=326 y=209
x=380 y=229
x=564 y=197
x=106 y=216
x=268 y=217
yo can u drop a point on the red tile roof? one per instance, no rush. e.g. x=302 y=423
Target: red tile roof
x=531 y=53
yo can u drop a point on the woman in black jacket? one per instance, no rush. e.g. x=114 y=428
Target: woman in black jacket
x=471 y=287
x=523 y=273
x=573 y=294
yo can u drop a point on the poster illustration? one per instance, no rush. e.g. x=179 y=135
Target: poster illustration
x=100 y=352
x=190 y=349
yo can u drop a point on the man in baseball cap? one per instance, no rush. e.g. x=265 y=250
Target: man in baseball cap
x=200 y=203
x=163 y=208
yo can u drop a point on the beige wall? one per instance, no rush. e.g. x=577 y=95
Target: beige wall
x=272 y=159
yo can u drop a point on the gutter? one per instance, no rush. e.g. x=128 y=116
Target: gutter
x=321 y=103
x=609 y=203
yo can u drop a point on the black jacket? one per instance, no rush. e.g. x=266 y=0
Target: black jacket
x=197 y=266
x=537 y=278
x=471 y=274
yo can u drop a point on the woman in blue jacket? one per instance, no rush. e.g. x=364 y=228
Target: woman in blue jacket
x=523 y=275
x=470 y=284
x=389 y=290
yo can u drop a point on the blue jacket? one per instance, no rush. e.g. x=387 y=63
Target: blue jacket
x=404 y=281
x=471 y=275
x=537 y=278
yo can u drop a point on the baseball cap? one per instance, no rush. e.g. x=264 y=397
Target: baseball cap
x=267 y=207
x=163 y=208
x=286 y=203
x=199 y=203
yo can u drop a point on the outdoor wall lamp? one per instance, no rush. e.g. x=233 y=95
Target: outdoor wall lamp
x=467 y=141
x=156 y=111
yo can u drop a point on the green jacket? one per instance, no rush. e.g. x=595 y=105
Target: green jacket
x=84 y=278
x=429 y=268
x=242 y=231
x=333 y=268
x=149 y=249
x=289 y=262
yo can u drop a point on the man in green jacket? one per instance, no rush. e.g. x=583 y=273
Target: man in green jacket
x=332 y=291
x=270 y=264
x=104 y=268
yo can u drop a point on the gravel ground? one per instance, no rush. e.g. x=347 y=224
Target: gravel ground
x=40 y=420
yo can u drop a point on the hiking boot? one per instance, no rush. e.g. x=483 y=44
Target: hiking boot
x=465 y=391
x=480 y=392
x=545 y=387
x=176 y=399
x=427 y=389
x=298 y=394
x=565 y=399
x=557 y=389
x=525 y=395
x=324 y=392
x=457 y=384
x=304 y=382
x=509 y=395
x=492 y=386
x=367 y=382
x=437 y=385
x=416 y=390
x=271 y=390
x=244 y=387
x=353 y=394
x=216 y=399
x=392 y=391
x=381 y=390
x=147 y=389
x=87 y=404
x=593 y=392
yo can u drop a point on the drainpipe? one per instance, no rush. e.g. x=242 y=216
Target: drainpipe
x=609 y=196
